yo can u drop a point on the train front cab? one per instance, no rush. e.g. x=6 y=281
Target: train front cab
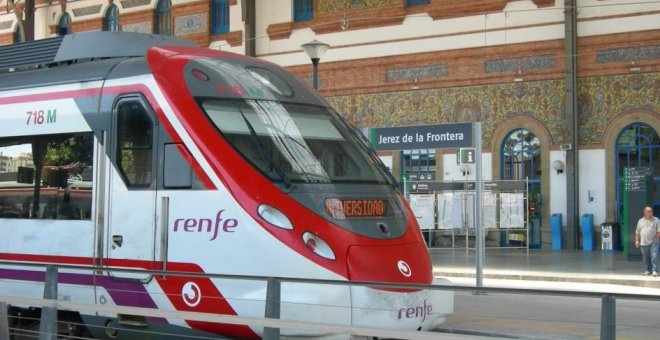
x=304 y=176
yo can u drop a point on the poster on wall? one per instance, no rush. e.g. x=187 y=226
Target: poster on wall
x=455 y=210
x=422 y=207
x=468 y=199
x=449 y=217
x=490 y=210
x=512 y=211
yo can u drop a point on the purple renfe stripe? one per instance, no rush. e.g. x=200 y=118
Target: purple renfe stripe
x=124 y=292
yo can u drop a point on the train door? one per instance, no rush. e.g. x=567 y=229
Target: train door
x=131 y=223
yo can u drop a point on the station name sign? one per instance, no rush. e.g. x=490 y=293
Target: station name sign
x=422 y=137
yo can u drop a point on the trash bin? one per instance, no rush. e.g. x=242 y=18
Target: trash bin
x=555 y=228
x=587 y=228
x=606 y=243
x=613 y=230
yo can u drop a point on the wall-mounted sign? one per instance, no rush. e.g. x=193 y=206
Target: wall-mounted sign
x=422 y=137
x=466 y=156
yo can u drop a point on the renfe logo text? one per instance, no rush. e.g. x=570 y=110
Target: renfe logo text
x=415 y=312
x=206 y=225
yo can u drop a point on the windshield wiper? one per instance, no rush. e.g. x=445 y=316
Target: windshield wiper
x=262 y=154
x=364 y=143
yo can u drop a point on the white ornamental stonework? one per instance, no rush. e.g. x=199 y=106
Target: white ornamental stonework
x=79 y=12
x=191 y=24
x=134 y=3
x=5 y=25
x=139 y=27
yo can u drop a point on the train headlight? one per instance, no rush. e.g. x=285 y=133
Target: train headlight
x=274 y=217
x=318 y=246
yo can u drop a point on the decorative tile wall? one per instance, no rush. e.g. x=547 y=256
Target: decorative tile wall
x=603 y=98
x=323 y=7
x=600 y=100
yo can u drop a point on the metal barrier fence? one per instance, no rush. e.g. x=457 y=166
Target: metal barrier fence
x=271 y=321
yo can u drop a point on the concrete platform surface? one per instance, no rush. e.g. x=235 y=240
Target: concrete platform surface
x=597 y=267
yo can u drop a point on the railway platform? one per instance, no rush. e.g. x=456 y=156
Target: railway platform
x=547 y=316
x=543 y=266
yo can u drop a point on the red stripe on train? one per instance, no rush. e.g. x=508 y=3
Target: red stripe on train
x=208 y=300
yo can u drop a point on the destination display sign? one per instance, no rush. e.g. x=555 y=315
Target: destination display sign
x=355 y=208
x=422 y=137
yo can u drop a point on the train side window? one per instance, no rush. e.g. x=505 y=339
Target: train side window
x=46 y=177
x=177 y=173
x=134 y=144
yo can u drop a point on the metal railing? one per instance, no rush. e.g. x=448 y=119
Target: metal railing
x=271 y=320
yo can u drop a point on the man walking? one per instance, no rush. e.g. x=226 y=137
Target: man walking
x=646 y=238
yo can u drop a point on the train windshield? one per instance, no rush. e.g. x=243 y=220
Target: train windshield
x=294 y=142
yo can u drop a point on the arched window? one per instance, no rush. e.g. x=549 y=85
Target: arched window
x=17 y=34
x=111 y=19
x=303 y=10
x=521 y=156
x=638 y=145
x=163 y=17
x=64 y=26
x=521 y=159
x=219 y=16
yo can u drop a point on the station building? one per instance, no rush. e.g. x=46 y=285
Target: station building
x=506 y=64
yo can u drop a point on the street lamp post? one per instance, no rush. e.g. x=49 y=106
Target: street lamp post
x=315 y=50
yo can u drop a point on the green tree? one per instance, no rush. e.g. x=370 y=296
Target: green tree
x=69 y=150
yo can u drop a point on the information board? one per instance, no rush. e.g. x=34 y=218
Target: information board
x=450 y=211
x=636 y=195
x=490 y=210
x=512 y=211
x=422 y=206
x=455 y=210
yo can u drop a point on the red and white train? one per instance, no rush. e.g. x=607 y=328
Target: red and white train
x=144 y=152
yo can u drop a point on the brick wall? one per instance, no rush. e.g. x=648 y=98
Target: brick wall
x=592 y=62
x=136 y=17
x=463 y=68
x=7 y=38
x=466 y=67
x=87 y=25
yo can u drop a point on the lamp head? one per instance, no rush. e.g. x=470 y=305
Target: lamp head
x=315 y=49
x=558 y=165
